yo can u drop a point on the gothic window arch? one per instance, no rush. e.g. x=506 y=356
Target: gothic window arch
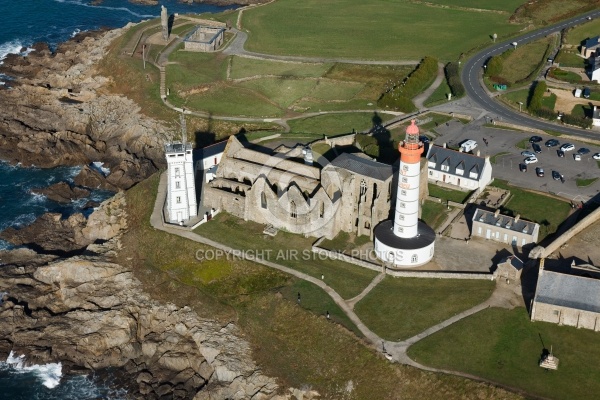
x=363 y=187
x=321 y=209
x=263 y=200
x=293 y=211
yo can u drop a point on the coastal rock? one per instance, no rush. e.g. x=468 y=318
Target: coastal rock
x=62 y=192
x=57 y=113
x=93 y=179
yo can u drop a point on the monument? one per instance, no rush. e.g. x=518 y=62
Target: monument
x=406 y=242
x=164 y=21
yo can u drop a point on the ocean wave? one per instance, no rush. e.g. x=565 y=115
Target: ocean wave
x=49 y=374
x=75 y=32
x=23 y=220
x=10 y=47
x=99 y=166
x=125 y=9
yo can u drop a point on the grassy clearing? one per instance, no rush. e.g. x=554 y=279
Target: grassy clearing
x=510 y=352
x=553 y=10
x=331 y=23
x=332 y=90
x=374 y=77
x=183 y=71
x=281 y=91
x=547 y=211
x=242 y=67
x=578 y=110
x=423 y=303
x=287 y=249
x=524 y=61
x=549 y=101
x=439 y=96
x=345 y=242
x=433 y=213
x=523 y=144
x=447 y=194
x=582 y=182
x=570 y=58
x=334 y=124
x=566 y=76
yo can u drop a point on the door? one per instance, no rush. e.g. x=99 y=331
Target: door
x=179 y=216
x=487 y=234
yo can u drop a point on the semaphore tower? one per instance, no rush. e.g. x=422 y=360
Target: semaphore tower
x=406 y=242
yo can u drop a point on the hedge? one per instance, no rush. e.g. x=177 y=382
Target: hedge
x=452 y=73
x=534 y=102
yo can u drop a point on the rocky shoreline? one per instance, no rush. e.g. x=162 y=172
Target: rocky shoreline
x=66 y=299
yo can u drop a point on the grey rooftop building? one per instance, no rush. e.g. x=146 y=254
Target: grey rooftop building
x=463 y=170
x=503 y=228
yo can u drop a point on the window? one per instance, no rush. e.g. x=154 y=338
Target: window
x=321 y=209
x=263 y=200
x=177 y=185
x=414 y=258
x=405 y=167
x=445 y=168
x=363 y=187
x=401 y=217
x=556 y=312
x=479 y=230
x=402 y=205
x=404 y=179
x=177 y=172
x=293 y=211
x=430 y=173
x=403 y=192
x=178 y=200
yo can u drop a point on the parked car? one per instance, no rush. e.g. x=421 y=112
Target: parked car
x=530 y=160
x=583 y=151
x=586 y=92
x=560 y=153
x=596 y=156
x=552 y=143
x=539 y=171
x=577 y=157
x=523 y=167
x=468 y=145
x=527 y=153
x=535 y=139
x=536 y=147
x=567 y=147
x=424 y=139
x=556 y=175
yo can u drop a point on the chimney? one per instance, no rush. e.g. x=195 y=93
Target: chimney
x=517 y=218
x=445 y=145
x=478 y=153
x=497 y=213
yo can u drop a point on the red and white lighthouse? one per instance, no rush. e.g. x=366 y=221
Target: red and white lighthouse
x=406 y=241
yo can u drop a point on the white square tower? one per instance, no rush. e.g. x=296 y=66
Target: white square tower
x=181 y=187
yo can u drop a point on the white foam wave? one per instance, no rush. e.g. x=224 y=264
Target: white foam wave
x=99 y=166
x=75 y=32
x=11 y=47
x=50 y=374
x=23 y=219
x=127 y=10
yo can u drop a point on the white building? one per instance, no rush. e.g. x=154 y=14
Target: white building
x=181 y=188
x=406 y=241
x=210 y=157
x=463 y=170
x=505 y=229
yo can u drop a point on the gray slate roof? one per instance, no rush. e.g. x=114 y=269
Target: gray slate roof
x=362 y=166
x=504 y=221
x=568 y=291
x=514 y=261
x=591 y=42
x=467 y=162
x=213 y=149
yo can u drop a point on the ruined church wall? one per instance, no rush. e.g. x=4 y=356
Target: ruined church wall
x=566 y=316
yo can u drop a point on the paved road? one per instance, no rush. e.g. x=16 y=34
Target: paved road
x=472 y=71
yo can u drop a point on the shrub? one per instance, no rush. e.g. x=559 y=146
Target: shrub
x=545 y=112
x=453 y=78
x=494 y=66
x=582 y=122
x=399 y=95
x=534 y=102
x=368 y=144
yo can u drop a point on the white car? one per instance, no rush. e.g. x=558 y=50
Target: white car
x=596 y=156
x=531 y=160
x=468 y=145
x=577 y=157
x=527 y=153
x=567 y=147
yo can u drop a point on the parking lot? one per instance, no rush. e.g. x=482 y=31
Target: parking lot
x=501 y=145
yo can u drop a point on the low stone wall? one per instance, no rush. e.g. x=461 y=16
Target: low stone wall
x=342 y=140
x=440 y=275
x=574 y=230
x=336 y=255
x=519 y=127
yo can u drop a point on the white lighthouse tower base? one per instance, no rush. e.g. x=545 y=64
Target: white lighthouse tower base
x=404 y=252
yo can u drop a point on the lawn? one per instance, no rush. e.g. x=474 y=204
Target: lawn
x=505 y=346
x=447 y=194
x=547 y=211
x=323 y=29
x=579 y=110
x=495 y=157
x=433 y=213
x=525 y=61
x=335 y=124
x=345 y=242
x=281 y=91
x=242 y=67
x=288 y=249
x=566 y=76
x=549 y=101
x=583 y=182
x=523 y=144
x=439 y=95
x=507 y=5
x=570 y=58
x=399 y=308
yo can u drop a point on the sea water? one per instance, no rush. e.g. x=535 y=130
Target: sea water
x=25 y=22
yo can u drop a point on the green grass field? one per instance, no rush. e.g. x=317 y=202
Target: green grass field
x=570 y=58
x=242 y=67
x=447 y=194
x=439 y=96
x=399 y=308
x=335 y=124
x=583 y=182
x=290 y=250
x=581 y=32
x=505 y=346
x=547 y=211
x=525 y=61
x=433 y=213
x=508 y=5
x=394 y=35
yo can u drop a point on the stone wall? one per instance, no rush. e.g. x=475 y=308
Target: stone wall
x=565 y=316
x=565 y=237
